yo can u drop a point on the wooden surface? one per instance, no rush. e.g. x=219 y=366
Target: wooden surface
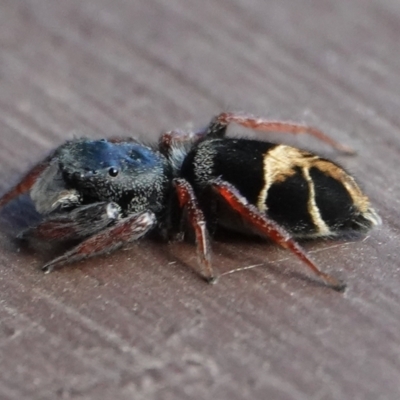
x=140 y=324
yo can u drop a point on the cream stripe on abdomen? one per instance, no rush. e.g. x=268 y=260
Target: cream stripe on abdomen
x=312 y=207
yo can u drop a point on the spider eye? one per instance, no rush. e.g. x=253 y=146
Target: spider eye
x=113 y=172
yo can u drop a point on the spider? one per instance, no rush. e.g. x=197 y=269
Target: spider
x=109 y=192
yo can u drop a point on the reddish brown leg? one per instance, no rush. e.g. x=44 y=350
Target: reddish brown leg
x=124 y=231
x=187 y=200
x=76 y=224
x=26 y=184
x=270 y=229
x=178 y=138
x=220 y=123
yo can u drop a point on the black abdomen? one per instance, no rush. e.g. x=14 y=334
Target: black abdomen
x=307 y=195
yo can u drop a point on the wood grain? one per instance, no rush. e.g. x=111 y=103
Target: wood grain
x=140 y=324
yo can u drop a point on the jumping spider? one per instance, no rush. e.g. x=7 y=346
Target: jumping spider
x=109 y=192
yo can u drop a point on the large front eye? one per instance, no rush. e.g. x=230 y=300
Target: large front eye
x=113 y=172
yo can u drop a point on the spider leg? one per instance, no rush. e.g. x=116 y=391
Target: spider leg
x=219 y=124
x=26 y=183
x=187 y=199
x=271 y=229
x=175 y=138
x=78 y=223
x=105 y=241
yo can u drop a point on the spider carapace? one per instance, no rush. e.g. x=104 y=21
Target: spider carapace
x=109 y=192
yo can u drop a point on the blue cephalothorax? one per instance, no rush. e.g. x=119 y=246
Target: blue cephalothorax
x=130 y=174
x=101 y=155
x=106 y=193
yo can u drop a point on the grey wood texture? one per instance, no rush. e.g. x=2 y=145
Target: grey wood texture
x=140 y=324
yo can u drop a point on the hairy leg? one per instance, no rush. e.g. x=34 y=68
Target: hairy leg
x=107 y=240
x=271 y=229
x=78 y=223
x=26 y=183
x=220 y=123
x=188 y=201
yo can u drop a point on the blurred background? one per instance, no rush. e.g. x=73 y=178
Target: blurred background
x=140 y=324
